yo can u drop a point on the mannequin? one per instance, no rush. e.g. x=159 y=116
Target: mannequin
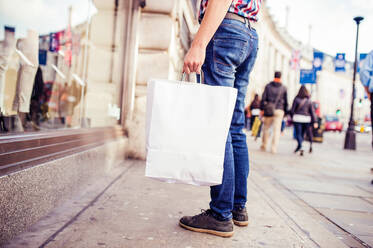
x=7 y=47
x=29 y=47
x=37 y=93
x=10 y=88
x=8 y=73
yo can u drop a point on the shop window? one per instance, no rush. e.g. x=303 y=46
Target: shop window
x=60 y=65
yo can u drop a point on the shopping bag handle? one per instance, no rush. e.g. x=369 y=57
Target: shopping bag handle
x=199 y=77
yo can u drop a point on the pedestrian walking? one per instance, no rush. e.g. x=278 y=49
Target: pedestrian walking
x=274 y=105
x=254 y=110
x=225 y=48
x=248 y=123
x=366 y=78
x=304 y=116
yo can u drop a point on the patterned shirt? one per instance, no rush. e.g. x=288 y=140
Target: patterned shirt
x=245 y=8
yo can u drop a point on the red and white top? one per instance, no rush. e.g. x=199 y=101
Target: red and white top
x=245 y=8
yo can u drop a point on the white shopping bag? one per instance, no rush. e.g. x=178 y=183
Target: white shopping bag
x=187 y=126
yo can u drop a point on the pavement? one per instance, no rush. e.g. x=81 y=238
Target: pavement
x=320 y=200
x=332 y=184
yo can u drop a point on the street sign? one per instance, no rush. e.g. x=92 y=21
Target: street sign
x=361 y=60
x=307 y=76
x=318 y=59
x=340 y=62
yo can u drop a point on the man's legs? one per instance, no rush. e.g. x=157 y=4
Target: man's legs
x=309 y=130
x=240 y=151
x=228 y=52
x=267 y=123
x=231 y=46
x=224 y=56
x=279 y=115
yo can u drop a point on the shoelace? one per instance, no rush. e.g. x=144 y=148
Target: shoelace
x=204 y=212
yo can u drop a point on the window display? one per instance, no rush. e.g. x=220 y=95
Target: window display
x=54 y=74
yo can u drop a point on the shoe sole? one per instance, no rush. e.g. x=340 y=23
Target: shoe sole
x=200 y=230
x=241 y=223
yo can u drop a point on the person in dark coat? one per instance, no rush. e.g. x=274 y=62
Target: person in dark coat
x=274 y=94
x=303 y=116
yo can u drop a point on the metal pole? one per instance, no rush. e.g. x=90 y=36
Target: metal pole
x=309 y=35
x=350 y=140
x=287 y=17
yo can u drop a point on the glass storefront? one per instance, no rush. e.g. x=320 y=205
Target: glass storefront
x=60 y=65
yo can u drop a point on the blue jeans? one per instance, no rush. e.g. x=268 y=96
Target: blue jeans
x=300 y=130
x=230 y=57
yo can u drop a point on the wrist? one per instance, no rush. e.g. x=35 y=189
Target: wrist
x=199 y=44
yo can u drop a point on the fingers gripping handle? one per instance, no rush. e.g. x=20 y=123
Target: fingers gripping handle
x=198 y=76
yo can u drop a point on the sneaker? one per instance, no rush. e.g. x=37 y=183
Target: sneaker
x=207 y=223
x=240 y=217
x=297 y=150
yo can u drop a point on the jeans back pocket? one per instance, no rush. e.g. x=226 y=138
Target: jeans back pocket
x=228 y=53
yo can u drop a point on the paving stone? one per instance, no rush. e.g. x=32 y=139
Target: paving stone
x=355 y=222
x=367 y=239
x=327 y=188
x=360 y=224
x=336 y=202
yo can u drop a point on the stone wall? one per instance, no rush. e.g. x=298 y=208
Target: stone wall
x=160 y=55
x=28 y=195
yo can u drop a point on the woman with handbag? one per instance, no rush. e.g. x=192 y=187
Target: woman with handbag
x=303 y=115
x=254 y=110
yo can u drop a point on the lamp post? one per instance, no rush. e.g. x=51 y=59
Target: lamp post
x=350 y=140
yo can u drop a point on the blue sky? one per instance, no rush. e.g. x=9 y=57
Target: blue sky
x=333 y=28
